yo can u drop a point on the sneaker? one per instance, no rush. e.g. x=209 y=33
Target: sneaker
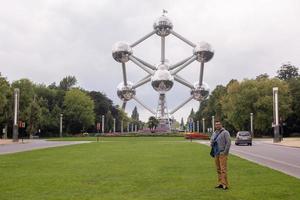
x=225 y=187
x=219 y=186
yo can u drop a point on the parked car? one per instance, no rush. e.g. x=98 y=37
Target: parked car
x=243 y=137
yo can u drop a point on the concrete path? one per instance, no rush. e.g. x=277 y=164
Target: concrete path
x=290 y=142
x=282 y=158
x=29 y=145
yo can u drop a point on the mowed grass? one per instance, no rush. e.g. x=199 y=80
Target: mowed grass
x=124 y=138
x=135 y=169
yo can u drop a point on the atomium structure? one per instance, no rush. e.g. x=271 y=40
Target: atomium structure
x=163 y=75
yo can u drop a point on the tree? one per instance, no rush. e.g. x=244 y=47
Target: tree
x=182 y=124
x=152 y=123
x=67 y=82
x=50 y=120
x=102 y=103
x=52 y=86
x=122 y=117
x=5 y=103
x=252 y=96
x=213 y=105
x=34 y=117
x=109 y=121
x=135 y=114
x=262 y=76
x=78 y=110
x=48 y=95
x=293 y=120
x=238 y=103
x=287 y=71
x=192 y=114
x=135 y=118
x=4 y=91
x=50 y=99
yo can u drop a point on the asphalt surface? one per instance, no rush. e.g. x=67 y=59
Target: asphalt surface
x=281 y=158
x=29 y=145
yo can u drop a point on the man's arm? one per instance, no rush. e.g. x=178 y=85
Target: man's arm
x=227 y=142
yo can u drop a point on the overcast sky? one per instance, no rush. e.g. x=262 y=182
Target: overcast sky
x=48 y=40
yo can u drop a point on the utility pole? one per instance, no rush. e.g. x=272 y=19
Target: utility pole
x=102 y=124
x=122 y=126
x=16 y=115
x=60 y=125
x=4 y=131
x=114 y=128
x=275 y=115
x=213 y=123
x=251 y=125
x=203 y=125
x=193 y=126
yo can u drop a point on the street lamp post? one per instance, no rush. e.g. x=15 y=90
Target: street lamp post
x=193 y=126
x=251 y=124
x=4 y=131
x=102 y=124
x=122 y=126
x=114 y=128
x=16 y=113
x=203 y=125
x=60 y=125
x=213 y=123
x=198 y=130
x=275 y=115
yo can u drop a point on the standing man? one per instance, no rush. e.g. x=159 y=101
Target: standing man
x=220 y=142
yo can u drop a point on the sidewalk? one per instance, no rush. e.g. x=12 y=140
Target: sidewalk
x=289 y=142
x=9 y=141
x=7 y=146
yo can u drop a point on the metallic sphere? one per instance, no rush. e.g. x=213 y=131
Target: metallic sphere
x=125 y=93
x=163 y=66
x=121 y=52
x=163 y=25
x=203 y=51
x=200 y=93
x=162 y=80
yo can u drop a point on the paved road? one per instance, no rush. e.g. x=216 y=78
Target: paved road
x=29 y=145
x=281 y=158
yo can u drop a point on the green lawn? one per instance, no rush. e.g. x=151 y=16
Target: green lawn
x=136 y=168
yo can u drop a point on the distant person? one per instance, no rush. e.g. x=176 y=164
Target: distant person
x=220 y=142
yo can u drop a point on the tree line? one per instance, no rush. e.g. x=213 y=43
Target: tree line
x=40 y=107
x=233 y=103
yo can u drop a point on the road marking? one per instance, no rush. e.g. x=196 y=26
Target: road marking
x=269 y=159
